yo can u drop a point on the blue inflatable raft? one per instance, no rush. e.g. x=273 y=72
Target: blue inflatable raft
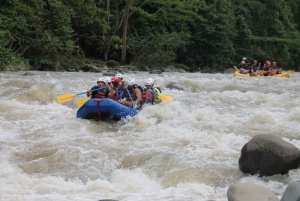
x=102 y=109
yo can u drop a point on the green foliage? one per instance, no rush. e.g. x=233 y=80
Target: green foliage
x=205 y=34
x=182 y=66
x=131 y=67
x=112 y=63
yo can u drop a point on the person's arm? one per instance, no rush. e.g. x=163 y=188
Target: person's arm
x=89 y=93
x=138 y=95
x=121 y=85
x=157 y=99
x=112 y=92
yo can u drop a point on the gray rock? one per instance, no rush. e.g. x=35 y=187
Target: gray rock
x=292 y=192
x=90 y=68
x=112 y=74
x=28 y=74
x=250 y=192
x=177 y=86
x=108 y=200
x=229 y=71
x=155 y=72
x=268 y=155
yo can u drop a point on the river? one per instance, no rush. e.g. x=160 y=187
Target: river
x=184 y=150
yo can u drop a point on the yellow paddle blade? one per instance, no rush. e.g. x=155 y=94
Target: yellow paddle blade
x=262 y=72
x=283 y=75
x=291 y=71
x=81 y=102
x=65 y=97
x=165 y=98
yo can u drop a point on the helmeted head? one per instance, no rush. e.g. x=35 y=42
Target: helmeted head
x=268 y=63
x=274 y=63
x=107 y=79
x=101 y=81
x=149 y=81
x=255 y=62
x=244 y=58
x=131 y=81
x=119 y=75
x=115 y=80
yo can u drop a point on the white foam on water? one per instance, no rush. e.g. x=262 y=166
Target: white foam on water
x=184 y=150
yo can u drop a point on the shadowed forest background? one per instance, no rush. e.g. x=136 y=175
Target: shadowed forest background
x=187 y=34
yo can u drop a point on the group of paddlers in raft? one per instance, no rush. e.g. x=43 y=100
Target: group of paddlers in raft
x=254 y=69
x=128 y=93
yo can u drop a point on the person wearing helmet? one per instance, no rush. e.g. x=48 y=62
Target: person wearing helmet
x=122 y=82
x=274 y=70
x=278 y=70
x=119 y=75
x=244 y=67
x=254 y=68
x=267 y=68
x=101 y=93
x=150 y=94
x=133 y=94
x=114 y=91
x=107 y=80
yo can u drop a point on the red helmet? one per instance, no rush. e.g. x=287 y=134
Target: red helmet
x=274 y=63
x=268 y=63
x=115 y=79
x=255 y=61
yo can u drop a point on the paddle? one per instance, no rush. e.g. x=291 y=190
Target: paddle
x=261 y=72
x=67 y=97
x=165 y=98
x=236 y=69
x=131 y=99
x=81 y=102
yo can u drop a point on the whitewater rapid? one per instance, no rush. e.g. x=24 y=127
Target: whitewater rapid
x=185 y=150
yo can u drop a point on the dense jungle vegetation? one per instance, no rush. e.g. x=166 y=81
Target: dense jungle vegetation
x=188 y=34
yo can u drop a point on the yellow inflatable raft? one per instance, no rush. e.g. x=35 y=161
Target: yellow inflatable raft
x=237 y=74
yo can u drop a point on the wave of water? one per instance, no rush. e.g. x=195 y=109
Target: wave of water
x=185 y=150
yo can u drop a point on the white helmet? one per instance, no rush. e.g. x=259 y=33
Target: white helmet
x=119 y=75
x=131 y=81
x=244 y=58
x=101 y=79
x=149 y=81
x=107 y=79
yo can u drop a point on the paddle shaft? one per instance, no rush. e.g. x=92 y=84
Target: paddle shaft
x=93 y=90
x=130 y=98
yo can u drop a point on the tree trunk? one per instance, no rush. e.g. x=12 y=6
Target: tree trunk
x=125 y=33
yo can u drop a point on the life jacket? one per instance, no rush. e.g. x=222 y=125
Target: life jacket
x=242 y=64
x=267 y=69
x=121 y=93
x=102 y=93
x=246 y=66
x=132 y=94
x=148 y=96
x=158 y=90
x=151 y=96
x=254 y=68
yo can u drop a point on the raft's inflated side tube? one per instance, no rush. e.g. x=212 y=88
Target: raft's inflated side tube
x=107 y=108
x=237 y=74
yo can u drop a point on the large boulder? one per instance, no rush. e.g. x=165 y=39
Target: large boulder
x=155 y=72
x=268 y=155
x=229 y=71
x=90 y=68
x=250 y=192
x=292 y=192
